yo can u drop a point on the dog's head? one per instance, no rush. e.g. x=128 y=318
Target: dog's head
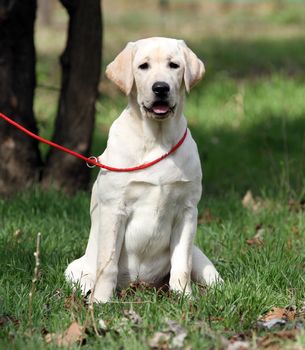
x=156 y=71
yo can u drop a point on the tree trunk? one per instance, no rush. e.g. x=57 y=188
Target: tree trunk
x=19 y=155
x=80 y=63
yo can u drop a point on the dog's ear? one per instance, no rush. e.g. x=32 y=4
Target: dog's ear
x=193 y=67
x=120 y=70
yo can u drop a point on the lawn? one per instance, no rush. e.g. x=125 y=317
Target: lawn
x=248 y=119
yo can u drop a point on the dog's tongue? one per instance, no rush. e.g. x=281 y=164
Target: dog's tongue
x=160 y=108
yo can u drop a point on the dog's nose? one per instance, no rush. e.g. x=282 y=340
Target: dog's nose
x=160 y=88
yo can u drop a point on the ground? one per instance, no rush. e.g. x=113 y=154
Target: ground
x=247 y=117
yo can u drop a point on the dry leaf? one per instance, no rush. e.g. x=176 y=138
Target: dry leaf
x=278 y=316
x=18 y=233
x=179 y=334
x=178 y=341
x=255 y=241
x=239 y=345
x=133 y=288
x=273 y=341
x=296 y=231
x=102 y=324
x=206 y=217
x=249 y=202
x=216 y=319
x=73 y=303
x=258 y=238
x=302 y=310
x=295 y=205
x=74 y=334
x=7 y=319
x=159 y=341
x=289 y=243
x=175 y=327
x=287 y=313
x=170 y=338
x=132 y=316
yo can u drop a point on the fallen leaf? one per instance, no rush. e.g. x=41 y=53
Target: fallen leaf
x=74 y=334
x=248 y=200
x=302 y=310
x=133 y=288
x=260 y=232
x=273 y=341
x=129 y=323
x=73 y=303
x=178 y=341
x=289 y=243
x=296 y=205
x=18 y=233
x=207 y=217
x=239 y=345
x=272 y=323
x=103 y=325
x=250 y=203
x=258 y=237
x=160 y=341
x=8 y=319
x=296 y=231
x=239 y=337
x=175 y=327
x=278 y=316
x=216 y=319
x=179 y=332
x=255 y=241
x=171 y=337
x=132 y=316
x=287 y=313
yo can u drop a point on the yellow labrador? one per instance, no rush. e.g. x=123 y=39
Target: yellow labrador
x=144 y=222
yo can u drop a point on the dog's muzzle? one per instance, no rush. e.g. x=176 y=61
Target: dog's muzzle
x=160 y=108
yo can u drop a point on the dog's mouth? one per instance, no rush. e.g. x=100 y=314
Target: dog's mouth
x=160 y=109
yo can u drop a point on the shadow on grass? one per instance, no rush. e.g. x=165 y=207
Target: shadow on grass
x=252 y=58
x=266 y=158
x=270 y=155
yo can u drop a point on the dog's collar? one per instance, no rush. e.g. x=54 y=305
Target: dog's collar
x=93 y=161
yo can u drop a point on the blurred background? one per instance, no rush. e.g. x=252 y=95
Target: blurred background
x=247 y=114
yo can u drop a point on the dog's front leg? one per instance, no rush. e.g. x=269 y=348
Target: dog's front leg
x=181 y=251
x=110 y=239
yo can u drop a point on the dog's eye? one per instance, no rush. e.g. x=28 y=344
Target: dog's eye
x=173 y=65
x=144 y=66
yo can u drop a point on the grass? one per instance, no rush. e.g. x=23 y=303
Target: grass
x=247 y=117
x=257 y=277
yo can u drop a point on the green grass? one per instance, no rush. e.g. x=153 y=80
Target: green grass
x=256 y=278
x=247 y=117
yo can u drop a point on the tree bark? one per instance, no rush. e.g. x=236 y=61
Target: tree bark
x=19 y=155
x=80 y=63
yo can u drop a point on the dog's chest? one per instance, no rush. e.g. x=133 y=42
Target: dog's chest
x=151 y=211
x=151 y=214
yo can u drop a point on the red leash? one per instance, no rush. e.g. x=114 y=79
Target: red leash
x=93 y=161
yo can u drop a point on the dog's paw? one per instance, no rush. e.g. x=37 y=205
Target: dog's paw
x=212 y=277
x=176 y=285
x=103 y=291
x=77 y=274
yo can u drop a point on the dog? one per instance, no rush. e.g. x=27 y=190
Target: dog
x=143 y=223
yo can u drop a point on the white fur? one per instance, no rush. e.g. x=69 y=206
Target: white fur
x=144 y=222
